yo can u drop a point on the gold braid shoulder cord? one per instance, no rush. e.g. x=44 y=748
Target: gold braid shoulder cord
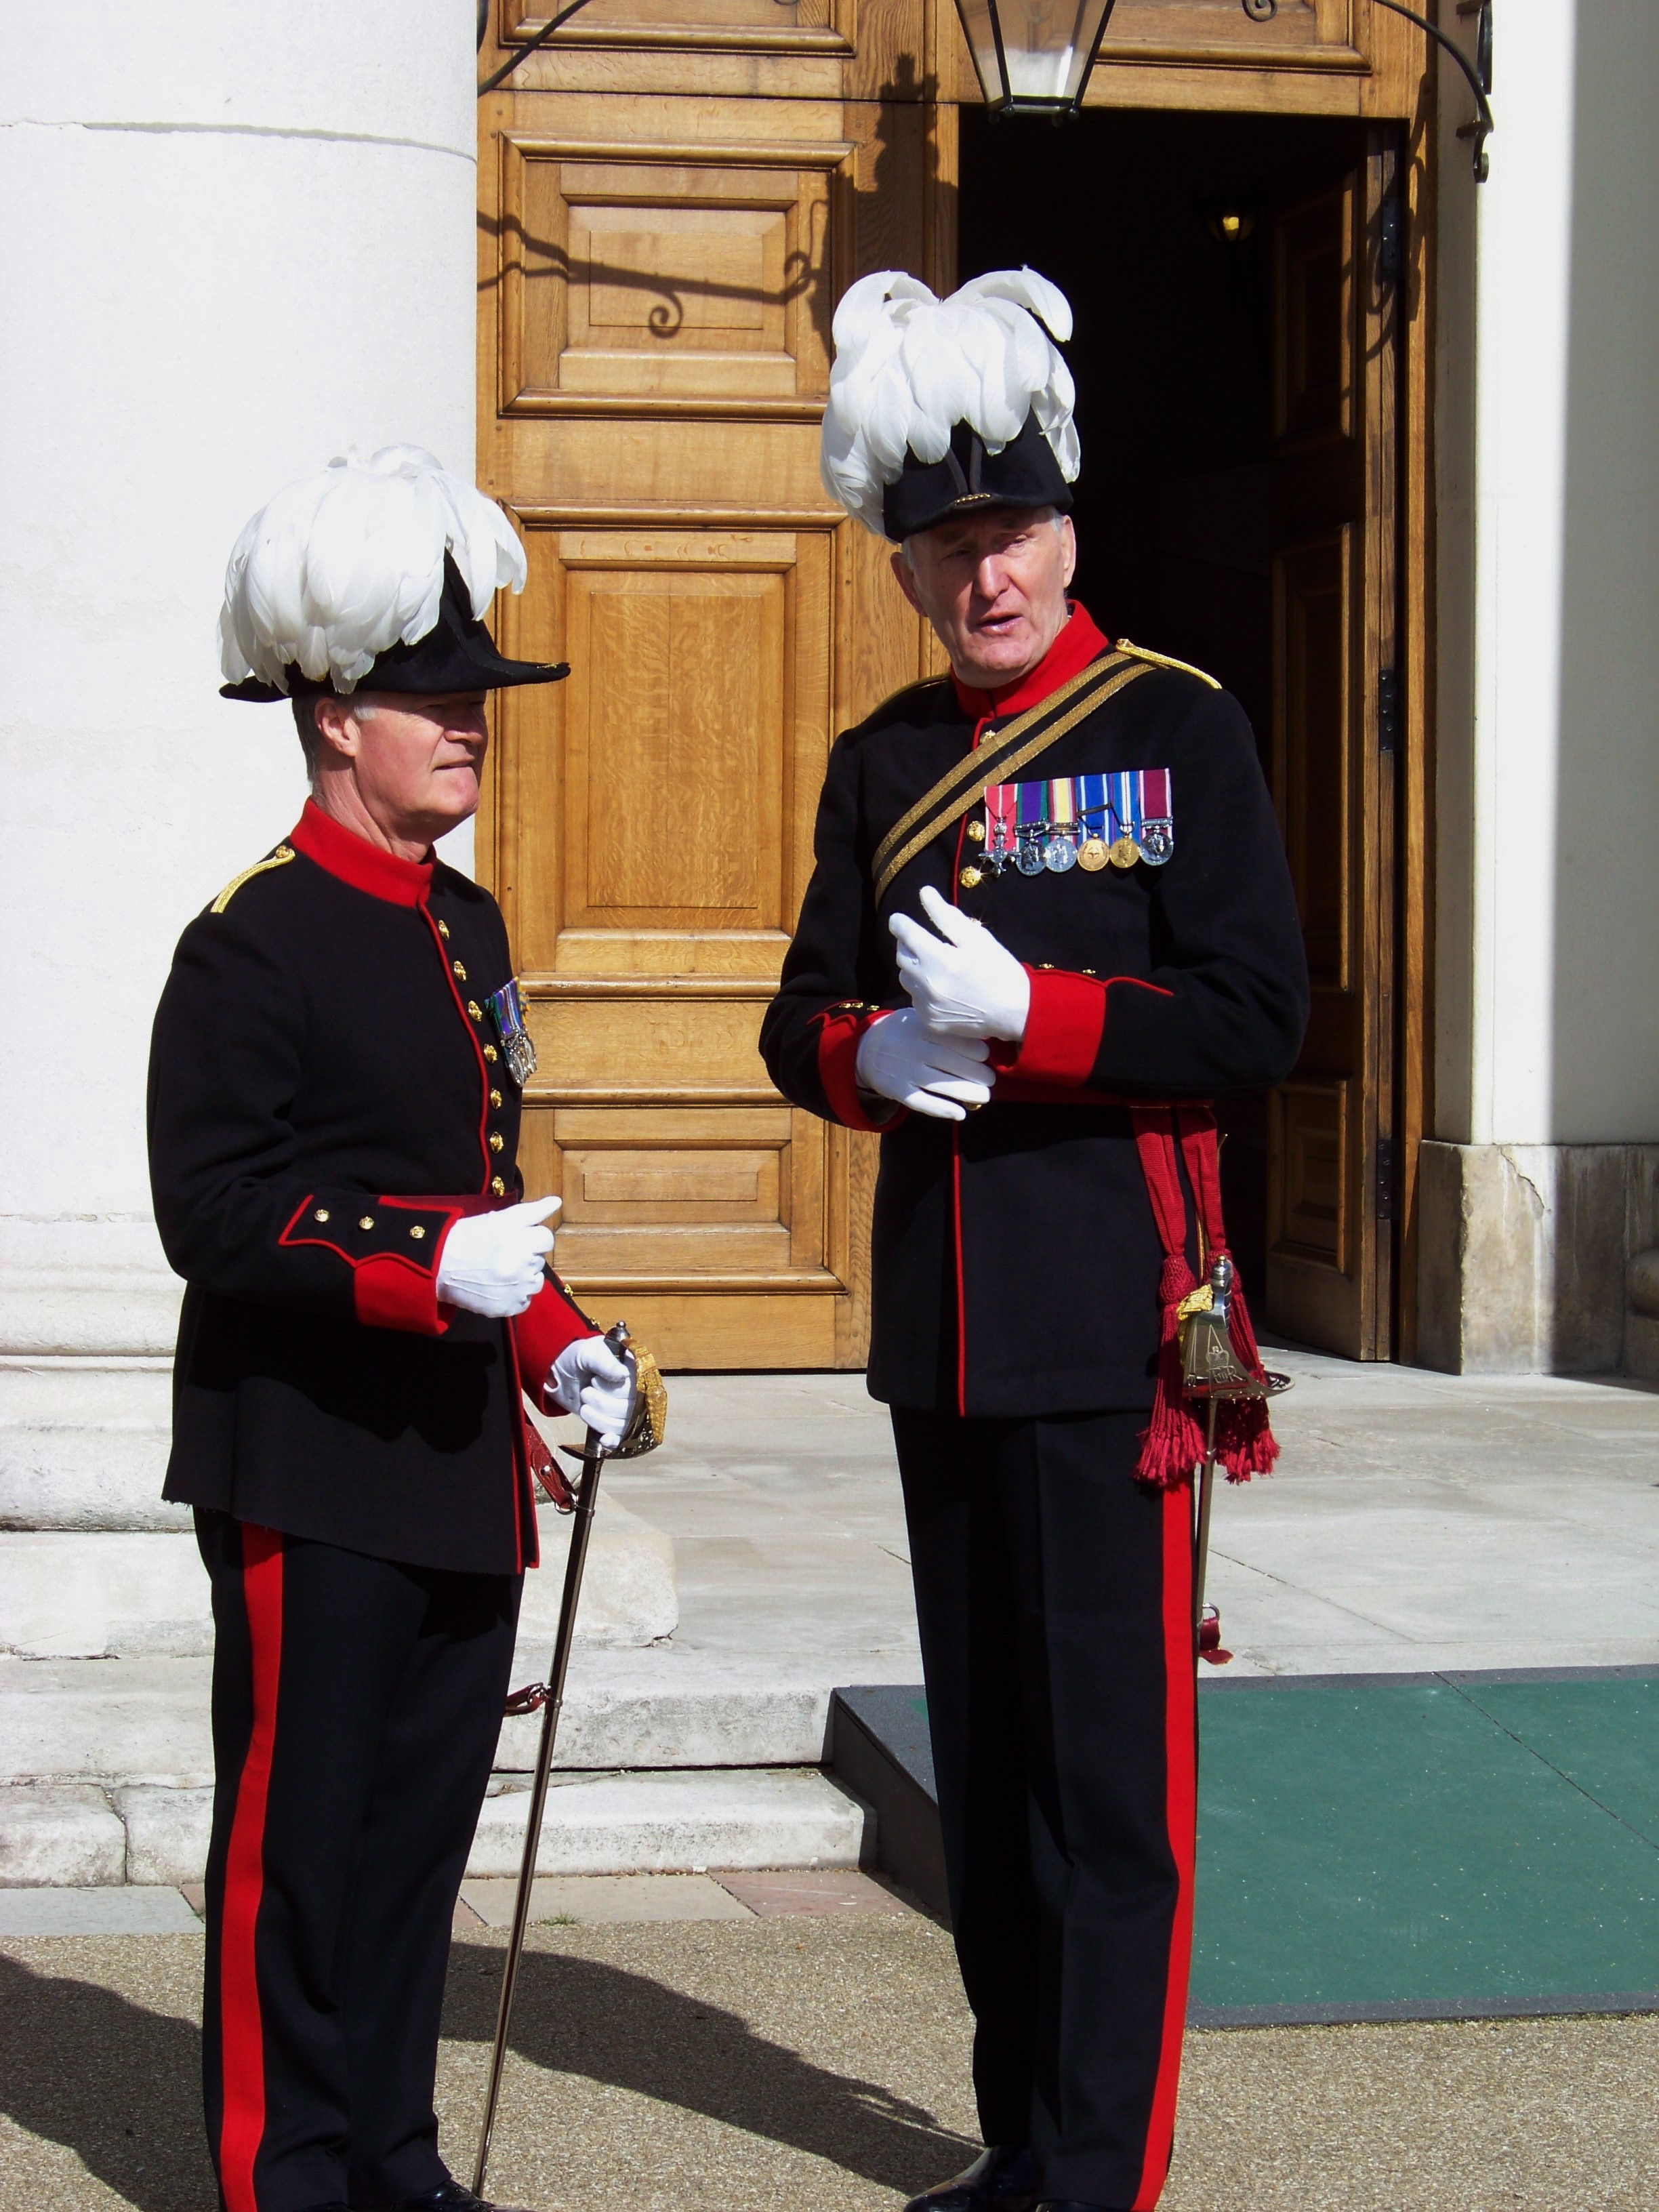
x=963 y=786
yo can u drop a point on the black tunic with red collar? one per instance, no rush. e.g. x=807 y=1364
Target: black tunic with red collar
x=327 y=1097
x=1016 y=1258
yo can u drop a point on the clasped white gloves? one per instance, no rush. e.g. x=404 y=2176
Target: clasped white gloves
x=493 y=1263
x=964 y=982
x=588 y=1378
x=899 y=1058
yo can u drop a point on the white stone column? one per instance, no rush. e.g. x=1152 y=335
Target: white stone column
x=1547 y=1074
x=232 y=240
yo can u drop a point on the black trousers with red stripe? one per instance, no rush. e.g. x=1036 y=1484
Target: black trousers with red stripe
x=355 y=1709
x=1054 y=1595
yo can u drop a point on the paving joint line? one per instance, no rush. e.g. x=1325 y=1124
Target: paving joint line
x=1533 y=1752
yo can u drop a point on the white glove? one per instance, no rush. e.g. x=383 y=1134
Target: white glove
x=492 y=1263
x=588 y=1379
x=964 y=982
x=899 y=1059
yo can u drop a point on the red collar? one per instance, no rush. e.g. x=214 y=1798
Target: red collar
x=357 y=862
x=1079 y=643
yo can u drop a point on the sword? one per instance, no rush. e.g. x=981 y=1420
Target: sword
x=587 y=1494
x=1210 y=1370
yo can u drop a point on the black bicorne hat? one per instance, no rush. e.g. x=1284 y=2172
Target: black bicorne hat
x=456 y=655
x=1023 y=474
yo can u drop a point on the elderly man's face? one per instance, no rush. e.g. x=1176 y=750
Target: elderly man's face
x=993 y=588
x=414 y=764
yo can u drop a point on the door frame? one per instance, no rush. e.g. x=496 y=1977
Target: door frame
x=1394 y=95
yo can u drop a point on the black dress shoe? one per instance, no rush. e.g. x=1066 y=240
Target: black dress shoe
x=1068 y=2204
x=1000 y=2179
x=451 y=2196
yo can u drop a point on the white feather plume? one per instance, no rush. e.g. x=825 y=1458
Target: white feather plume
x=909 y=367
x=343 y=564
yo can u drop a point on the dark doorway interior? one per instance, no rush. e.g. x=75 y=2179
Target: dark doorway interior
x=1154 y=227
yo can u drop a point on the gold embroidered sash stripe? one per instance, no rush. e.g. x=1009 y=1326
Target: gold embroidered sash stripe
x=963 y=786
x=966 y=769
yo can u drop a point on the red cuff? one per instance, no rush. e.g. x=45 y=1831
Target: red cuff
x=841 y=1033
x=541 y=1333
x=1064 y=1025
x=390 y=1292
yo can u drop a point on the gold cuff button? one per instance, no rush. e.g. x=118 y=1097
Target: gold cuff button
x=417 y=1232
x=367 y=1221
x=497 y=1187
x=494 y=1097
x=458 y=970
x=495 y=1140
x=474 y=1010
x=321 y=1214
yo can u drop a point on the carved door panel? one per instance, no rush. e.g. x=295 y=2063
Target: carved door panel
x=659 y=275
x=1330 y=1239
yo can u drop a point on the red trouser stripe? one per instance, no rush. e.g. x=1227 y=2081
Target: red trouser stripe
x=241 y=2044
x=1180 y=1802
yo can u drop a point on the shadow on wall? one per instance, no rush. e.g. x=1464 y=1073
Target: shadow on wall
x=1605 y=1062
x=1607 y=946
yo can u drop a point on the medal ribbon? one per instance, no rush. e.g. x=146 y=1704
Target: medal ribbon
x=1062 y=803
x=1001 y=836
x=963 y=785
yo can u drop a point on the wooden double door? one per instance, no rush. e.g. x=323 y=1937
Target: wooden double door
x=658 y=274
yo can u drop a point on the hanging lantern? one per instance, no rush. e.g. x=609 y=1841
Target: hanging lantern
x=1034 y=56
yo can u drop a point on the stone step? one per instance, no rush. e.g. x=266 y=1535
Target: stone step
x=683 y=1822
x=146 y=1720
x=131 y=1594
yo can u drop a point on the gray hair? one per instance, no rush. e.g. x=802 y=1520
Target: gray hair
x=305 y=721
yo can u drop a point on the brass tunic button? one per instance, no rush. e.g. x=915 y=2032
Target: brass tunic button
x=474 y=1010
x=495 y=1140
x=417 y=1232
x=494 y=1097
x=497 y=1187
x=321 y=1214
x=443 y=929
x=367 y=1221
x=460 y=970
x=971 y=880
x=977 y=832
x=490 y=1052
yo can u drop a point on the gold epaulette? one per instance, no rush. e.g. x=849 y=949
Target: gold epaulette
x=1162 y=661
x=279 y=859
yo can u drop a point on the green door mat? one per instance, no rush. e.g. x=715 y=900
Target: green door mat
x=1425 y=1847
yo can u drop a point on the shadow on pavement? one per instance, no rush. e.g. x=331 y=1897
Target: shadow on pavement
x=582 y=2017
x=120 y=2086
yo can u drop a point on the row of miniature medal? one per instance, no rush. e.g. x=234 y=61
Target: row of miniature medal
x=506 y=1012
x=1078 y=822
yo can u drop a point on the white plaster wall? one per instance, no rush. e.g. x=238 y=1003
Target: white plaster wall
x=1524 y=215
x=1547 y=804
x=233 y=240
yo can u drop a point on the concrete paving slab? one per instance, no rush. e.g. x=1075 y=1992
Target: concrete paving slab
x=131 y=1909
x=605 y=1901
x=781 y=1895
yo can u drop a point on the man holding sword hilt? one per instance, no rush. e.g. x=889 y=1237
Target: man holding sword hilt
x=335 y=1096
